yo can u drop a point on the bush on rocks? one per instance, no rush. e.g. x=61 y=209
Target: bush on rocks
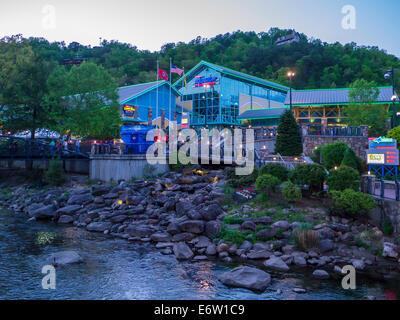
x=352 y=202
x=312 y=175
x=290 y=192
x=267 y=183
x=276 y=170
x=343 y=178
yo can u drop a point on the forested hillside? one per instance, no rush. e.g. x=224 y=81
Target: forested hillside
x=317 y=64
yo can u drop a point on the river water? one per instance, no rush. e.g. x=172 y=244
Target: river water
x=117 y=269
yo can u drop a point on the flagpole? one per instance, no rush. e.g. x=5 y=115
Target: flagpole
x=170 y=88
x=157 y=96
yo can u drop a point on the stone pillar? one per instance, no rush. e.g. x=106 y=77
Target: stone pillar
x=150 y=116
x=324 y=124
x=162 y=119
x=364 y=130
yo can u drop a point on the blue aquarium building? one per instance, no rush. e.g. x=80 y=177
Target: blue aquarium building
x=220 y=97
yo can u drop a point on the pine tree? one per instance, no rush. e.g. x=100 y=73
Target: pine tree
x=351 y=160
x=288 y=141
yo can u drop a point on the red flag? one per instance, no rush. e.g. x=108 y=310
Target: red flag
x=162 y=74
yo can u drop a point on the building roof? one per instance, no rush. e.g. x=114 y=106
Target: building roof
x=236 y=74
x=133 y=91
x=262 y=113
x=331 y=96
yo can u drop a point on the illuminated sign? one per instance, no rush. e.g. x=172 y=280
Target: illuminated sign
x=129 y=110
x=375 y=158
x=209 y=81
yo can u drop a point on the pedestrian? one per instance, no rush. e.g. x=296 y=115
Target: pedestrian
x=52 y=145
x=58 y=146
x=65 y=146
x=77 y=144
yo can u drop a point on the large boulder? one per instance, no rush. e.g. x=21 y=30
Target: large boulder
x=276 y=263
x=192 y=226
x=80 y=199
x=119 y=218
x=139 y=231
x=182 y=251
x=99 y=226
x=212 y=228
x=267 y=233
x=211 y=212
x=182 y=207
x=246 y=277
x=69 y=210
x=43 y=212
x=326 y=245
x=99 y=191
x=281 y=225
x=390 y=250
x=64 y=258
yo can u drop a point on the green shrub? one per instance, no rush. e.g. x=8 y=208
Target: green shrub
x=351 y=160
x=394 y=133
x=352 y=202
x=276 y=170
x=55 y=173
x=233 y=220
x=387 y=227
x=290 y=192
x=267 y=182
x=242 y=181
x=231 y=235
x=343 y=178
x=316 y=155
x=312 y=175
x=332 y=154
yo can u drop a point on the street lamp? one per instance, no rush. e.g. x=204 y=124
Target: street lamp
x=290 y=74
x=388 y=74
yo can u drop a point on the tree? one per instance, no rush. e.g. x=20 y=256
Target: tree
x=363 y=110
x=351 y=160
x=23 y=86
x=332 y=154
x=343 y=178
x=87 y=101
x=288 y=141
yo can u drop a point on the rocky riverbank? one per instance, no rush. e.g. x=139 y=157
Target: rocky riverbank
x=185 y=214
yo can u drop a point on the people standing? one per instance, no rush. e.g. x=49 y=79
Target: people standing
x=77 y=144
x=65 y=145
x=52 y=145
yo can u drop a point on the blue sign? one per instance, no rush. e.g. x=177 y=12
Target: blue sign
x=200 y=81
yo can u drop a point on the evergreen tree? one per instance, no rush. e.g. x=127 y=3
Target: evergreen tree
x=351 y=160
x=288 y=141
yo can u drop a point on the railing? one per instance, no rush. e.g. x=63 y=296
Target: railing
x=319 y=130
x=383 y=189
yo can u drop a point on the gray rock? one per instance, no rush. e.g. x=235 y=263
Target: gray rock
x=185 y=236
x=276 y=263
x=173 y=228
x=182 y=207
x=211 y=250
x=246 y=245
x=64 y=258
x=267 y=233
x=212 y=228
x=211 y=212
x=99 y=226
x=80 y=199
x=203 y=242
x=99 y=191
x=139 y=231
x=246 y=277
x=182 y=251
x=390 y=250
x=358 y=264
x=249 y=225
x=44 y=212
x=281 y=225
x=119 y=218
x=326 y=245
x=69 y=209
x=160 y=237
x=65 y=219
x=258 y=254
x=299 y=261
x=320 y=274
x=192 y=226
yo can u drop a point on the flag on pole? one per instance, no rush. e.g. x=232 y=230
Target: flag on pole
x=162 y=74
x=176 y=70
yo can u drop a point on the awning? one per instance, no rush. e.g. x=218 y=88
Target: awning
x=262 y=114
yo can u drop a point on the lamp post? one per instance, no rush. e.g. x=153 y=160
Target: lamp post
x=290 y=74
x=388 y=74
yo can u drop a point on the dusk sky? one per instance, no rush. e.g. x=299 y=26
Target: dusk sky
x=151 y=23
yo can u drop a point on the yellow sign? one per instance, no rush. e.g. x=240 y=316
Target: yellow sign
x=376 y=158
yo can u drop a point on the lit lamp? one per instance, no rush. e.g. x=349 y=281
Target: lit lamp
x=290 y=74
x=388 y=74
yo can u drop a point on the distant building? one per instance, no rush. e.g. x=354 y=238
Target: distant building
x=293 y=37
x=327 y=106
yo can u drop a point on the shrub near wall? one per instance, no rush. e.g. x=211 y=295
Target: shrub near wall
x=312 y=175
x=352 y=202
x=267 y=183
x=343 y=178
x=332 y=154
x=276 y=170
